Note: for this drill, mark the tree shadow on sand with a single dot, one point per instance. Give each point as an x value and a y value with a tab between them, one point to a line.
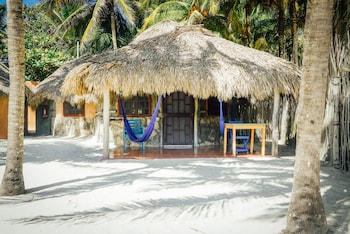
131	191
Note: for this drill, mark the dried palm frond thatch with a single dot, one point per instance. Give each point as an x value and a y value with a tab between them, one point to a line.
169	57
5	82
50	87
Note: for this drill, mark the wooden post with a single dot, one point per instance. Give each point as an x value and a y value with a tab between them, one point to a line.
195	122
284	120
275	132
106	123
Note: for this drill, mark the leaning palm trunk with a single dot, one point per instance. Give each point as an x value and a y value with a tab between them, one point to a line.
344	157
306	212
294	31
13	182
330	149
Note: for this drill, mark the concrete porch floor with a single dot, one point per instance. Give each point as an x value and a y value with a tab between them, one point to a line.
215	151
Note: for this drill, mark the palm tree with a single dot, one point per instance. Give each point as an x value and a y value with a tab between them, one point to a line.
121	11
189	11
294	30
336	146
94	24
306	211
13	181
170	10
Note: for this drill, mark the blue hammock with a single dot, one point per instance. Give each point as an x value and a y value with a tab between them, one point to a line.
149	128
222	119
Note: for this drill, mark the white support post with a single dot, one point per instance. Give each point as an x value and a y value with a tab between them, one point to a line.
275	115
106	123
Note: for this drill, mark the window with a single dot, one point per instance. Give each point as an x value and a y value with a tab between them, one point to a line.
136	106
69	110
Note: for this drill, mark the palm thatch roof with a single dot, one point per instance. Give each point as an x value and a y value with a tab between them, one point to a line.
50	87
169	57
5	82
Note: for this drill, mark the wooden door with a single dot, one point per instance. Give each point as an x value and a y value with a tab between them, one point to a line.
43	119
178	120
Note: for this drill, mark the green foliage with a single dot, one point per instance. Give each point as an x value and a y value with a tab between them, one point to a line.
102	42
264	30
42	55
342	18
3	36
68	20
2	18
171	10
217	23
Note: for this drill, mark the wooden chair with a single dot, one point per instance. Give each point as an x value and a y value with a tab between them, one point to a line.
137	128
242	137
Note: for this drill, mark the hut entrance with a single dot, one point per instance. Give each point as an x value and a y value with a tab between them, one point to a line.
43	119
178	121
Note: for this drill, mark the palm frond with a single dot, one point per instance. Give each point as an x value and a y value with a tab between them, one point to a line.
73	20
172	10
101	8
210	6
126	11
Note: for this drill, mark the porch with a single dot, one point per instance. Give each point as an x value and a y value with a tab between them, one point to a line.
213	151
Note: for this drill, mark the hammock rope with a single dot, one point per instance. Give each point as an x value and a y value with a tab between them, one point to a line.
222	119
146	135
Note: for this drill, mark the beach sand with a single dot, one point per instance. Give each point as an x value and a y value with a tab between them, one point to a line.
70	190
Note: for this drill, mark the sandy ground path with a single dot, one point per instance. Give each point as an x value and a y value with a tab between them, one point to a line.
69	190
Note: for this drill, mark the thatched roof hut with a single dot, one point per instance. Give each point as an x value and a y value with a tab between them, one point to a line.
50	87
5	82
169	57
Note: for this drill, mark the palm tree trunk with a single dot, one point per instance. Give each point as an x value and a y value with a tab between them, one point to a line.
293	14
306	212
13	182
281	26
248	23
332	118
113	27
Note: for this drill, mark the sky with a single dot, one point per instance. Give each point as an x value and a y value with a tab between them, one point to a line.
26	2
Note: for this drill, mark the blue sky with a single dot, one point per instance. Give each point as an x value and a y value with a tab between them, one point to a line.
26	2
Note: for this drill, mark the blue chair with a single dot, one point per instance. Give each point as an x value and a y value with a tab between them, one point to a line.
241	137
138	130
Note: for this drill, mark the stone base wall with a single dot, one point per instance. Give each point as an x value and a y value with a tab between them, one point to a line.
209	131
117	126
73	126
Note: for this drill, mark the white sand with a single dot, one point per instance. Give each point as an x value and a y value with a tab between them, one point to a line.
69	190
